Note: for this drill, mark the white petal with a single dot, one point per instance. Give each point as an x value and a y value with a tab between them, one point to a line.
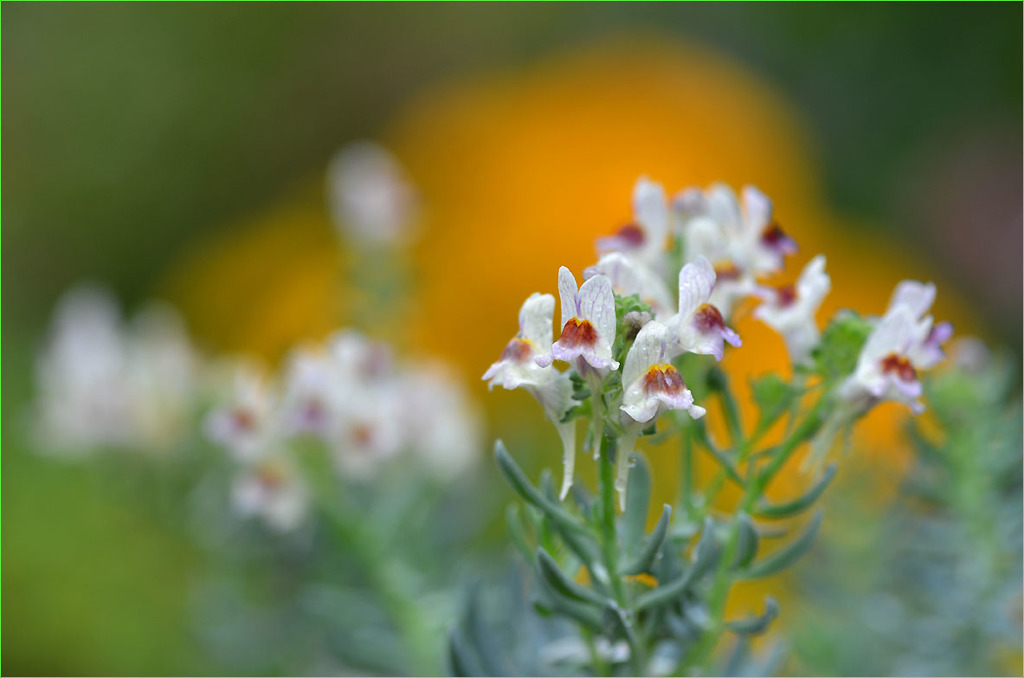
724	208
696	280
893	335
629	276
651	211
814	283
758	207
597	304
704	236
567	293
916	296
649	348
535	320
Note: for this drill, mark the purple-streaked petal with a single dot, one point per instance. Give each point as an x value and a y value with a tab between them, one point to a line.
567	293
597	304
535	319
696	280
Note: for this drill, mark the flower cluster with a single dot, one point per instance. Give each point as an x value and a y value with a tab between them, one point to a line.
350	396
718	251
107	383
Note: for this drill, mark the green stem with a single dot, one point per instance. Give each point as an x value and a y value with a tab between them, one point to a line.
397	600
687	479
609	538
723	579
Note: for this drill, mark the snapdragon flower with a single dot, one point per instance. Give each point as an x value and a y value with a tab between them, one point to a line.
444	425
246	425
790	309
312	392
742	242
643	238
369	195
904	341
104	382
518	368
699	325
630	276
273	490
651	385
588	325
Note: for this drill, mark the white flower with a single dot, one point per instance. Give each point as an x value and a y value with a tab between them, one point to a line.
370	432
313	394
904	341
106	384
518	368
443	425
651	385
917	298
245	425
369	195
588	324
644	237
630	276
790	310
272	489
743	243
699	325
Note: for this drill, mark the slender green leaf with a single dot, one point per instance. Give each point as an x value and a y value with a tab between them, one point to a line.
514	522
585	613
645	559
561	583
755	625
746	546
787	555
521	484
792	508
462	662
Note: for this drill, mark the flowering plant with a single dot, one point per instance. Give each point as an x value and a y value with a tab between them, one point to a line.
638	363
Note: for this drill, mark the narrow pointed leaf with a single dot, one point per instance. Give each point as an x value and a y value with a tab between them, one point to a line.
514	523
787	555
522	485
461	660
585	613
562	583
792	508
645	559
746	547
755	625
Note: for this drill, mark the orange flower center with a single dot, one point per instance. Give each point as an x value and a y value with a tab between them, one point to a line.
663	378
578	333
899	365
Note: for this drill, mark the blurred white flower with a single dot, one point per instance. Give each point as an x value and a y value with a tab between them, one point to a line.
904	341
443	426
790	309
246	424
630	276
643	239
273	490
742	242
370	197
104	384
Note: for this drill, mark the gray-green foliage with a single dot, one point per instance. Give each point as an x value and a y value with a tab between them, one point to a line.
934	587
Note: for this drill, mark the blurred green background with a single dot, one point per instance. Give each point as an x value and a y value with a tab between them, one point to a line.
132	130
